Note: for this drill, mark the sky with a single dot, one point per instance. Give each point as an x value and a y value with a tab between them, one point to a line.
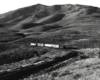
8	5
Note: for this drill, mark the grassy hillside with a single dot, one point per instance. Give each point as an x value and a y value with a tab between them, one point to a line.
72	26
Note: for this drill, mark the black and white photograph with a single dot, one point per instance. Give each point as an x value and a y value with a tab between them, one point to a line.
49	39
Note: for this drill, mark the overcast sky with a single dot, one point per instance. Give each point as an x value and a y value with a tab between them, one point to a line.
8	5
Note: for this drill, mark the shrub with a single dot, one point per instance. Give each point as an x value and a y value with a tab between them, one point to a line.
16	55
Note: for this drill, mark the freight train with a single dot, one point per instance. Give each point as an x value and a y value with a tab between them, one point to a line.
53	46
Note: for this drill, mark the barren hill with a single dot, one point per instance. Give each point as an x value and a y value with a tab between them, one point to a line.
72	26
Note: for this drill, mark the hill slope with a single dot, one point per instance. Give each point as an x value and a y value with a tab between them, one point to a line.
71	26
